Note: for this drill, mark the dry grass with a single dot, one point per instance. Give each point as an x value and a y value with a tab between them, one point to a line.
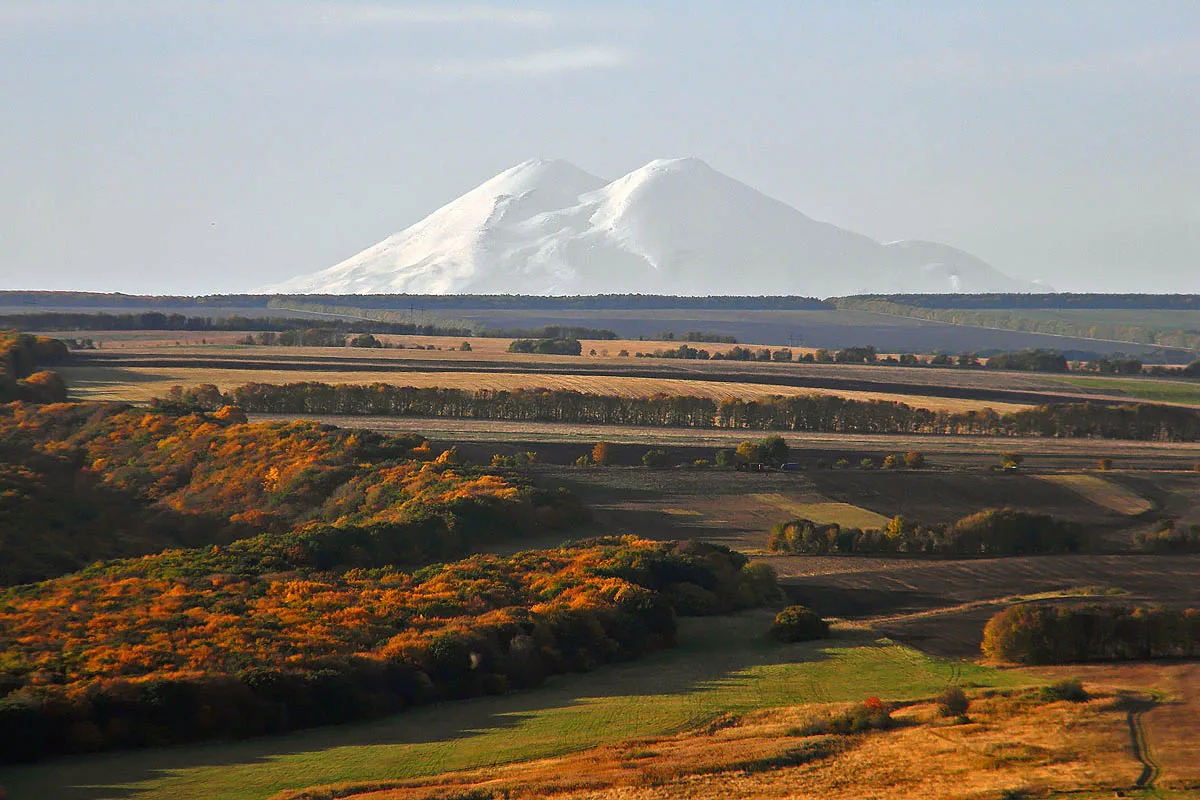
140	384
1010	743
1104	493
1172	726
825	511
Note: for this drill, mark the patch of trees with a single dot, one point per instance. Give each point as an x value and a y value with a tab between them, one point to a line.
698	336
165	649
1169	537
1045	633
1029	361
21	355
818	413
1115	366
554	347
992	532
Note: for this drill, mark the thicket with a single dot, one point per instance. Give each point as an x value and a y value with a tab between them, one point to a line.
992	532
92	481
167	649
21	355
1044	633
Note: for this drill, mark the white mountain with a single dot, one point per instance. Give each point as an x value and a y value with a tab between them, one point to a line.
672	227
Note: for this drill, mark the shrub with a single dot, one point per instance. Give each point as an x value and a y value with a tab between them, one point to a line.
701	463
953	702
799	624
365	340
656	459
465	347
1069	689
867	463
914	459
841	463
1011	460
870	715
892	462
1105	464
726	457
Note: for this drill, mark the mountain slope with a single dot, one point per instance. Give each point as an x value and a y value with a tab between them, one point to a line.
674	226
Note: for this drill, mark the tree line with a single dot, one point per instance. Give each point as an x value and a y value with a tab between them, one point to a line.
816	413
992	532
1046	633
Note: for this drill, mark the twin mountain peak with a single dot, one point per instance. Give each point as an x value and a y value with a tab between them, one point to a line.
674	226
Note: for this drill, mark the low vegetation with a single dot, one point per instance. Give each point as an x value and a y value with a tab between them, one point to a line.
992	532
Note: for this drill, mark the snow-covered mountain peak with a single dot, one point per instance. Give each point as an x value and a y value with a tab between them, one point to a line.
673	226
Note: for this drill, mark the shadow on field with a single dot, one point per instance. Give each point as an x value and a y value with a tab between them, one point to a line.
713	653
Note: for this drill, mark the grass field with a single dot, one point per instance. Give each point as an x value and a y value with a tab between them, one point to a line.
1104	493
1159	391
724	665
140	384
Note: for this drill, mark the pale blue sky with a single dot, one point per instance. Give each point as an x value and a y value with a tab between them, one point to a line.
203	147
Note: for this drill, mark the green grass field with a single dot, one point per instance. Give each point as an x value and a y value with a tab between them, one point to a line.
1142	388
723	665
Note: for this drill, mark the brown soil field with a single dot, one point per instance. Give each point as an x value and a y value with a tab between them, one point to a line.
1011	742
141	384
894	597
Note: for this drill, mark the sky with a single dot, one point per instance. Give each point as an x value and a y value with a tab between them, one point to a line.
190	147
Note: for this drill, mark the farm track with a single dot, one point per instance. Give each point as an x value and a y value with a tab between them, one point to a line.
1140	744
251	363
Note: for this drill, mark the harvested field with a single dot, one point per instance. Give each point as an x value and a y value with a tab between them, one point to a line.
1104	493
893	597
140	384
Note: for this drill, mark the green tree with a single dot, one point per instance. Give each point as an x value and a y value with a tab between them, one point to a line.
799	624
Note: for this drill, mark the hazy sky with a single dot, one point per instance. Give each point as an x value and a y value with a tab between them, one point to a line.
204	147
